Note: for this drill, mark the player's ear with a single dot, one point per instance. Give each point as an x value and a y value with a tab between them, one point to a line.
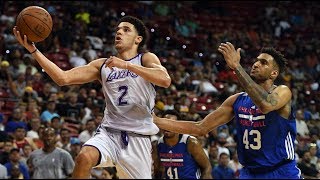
274	74
138	39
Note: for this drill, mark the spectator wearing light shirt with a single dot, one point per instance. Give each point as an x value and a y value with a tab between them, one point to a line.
86	134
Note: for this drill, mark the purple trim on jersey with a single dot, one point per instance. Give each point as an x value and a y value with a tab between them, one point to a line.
101	68
154	86
132	58
141	59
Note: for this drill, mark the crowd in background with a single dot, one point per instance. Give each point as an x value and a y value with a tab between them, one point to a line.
185	36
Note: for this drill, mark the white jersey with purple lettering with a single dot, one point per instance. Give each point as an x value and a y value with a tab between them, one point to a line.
130	100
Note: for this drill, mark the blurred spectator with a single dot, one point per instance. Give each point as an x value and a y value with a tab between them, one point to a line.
313	156
230	142
14	163
17	87
235	165
15	62
50	162
15	121
71	109
93	94
29	94
32	110
56	124
87	52
221	142
5	76
193	114
302	128
98	119
45	93
308	170
213	155
223	171
89	131
162	9
75	147
64	140
28	62
39	141
37	83
49	113
87	110
109	173
26	151
181	27
35	125
3	172
315	114
169	105
16	173
20	139
5	151
83	15
2	126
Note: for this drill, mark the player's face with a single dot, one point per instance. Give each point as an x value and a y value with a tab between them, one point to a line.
262	68
126	36
168	134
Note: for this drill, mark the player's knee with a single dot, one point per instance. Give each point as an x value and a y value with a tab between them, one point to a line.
87	158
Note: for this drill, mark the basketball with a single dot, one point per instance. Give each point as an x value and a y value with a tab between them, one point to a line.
35	22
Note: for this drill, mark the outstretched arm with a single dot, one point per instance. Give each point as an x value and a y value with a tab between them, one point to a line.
221	115
196	150
152	70
78	75
264	100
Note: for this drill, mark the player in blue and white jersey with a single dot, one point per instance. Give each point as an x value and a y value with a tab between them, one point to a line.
180	156
266	126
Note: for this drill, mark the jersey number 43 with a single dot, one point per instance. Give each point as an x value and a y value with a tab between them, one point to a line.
256	144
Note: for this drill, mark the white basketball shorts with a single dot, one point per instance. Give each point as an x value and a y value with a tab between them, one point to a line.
133	160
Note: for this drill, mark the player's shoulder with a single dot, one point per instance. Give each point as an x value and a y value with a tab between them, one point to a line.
283	87
148	55
98	62
231	99
192	140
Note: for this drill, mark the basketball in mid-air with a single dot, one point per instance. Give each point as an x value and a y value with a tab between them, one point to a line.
35	22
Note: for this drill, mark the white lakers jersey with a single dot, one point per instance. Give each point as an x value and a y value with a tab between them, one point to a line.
130	100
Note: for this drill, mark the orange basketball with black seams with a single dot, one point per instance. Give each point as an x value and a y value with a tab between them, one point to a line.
35	22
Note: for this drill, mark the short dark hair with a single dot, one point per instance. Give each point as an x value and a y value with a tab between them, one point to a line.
277	56
140	27
19	127
14	150
171	112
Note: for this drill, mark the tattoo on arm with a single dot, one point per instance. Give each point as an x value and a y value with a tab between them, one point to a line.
272	99
256	92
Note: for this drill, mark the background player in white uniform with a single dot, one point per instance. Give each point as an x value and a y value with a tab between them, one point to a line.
123	137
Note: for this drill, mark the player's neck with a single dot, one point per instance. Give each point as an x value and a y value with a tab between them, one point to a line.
126	55
267	85
172	141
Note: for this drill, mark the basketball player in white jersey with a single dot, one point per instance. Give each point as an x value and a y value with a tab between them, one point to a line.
128	80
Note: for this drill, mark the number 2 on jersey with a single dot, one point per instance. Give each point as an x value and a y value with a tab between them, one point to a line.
257	139
174	174
124	92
